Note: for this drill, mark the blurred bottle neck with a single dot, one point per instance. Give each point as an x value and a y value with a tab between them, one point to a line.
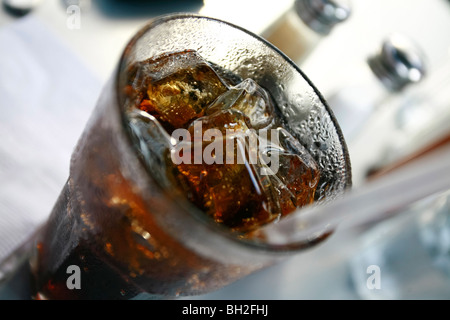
322	15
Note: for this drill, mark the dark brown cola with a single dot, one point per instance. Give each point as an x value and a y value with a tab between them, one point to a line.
115	221
232	175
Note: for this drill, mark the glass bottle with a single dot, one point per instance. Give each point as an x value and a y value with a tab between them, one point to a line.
301	27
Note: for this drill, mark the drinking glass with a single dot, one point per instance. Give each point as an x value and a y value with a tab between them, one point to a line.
117	232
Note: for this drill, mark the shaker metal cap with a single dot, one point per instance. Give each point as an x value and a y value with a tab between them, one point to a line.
398	63
322	15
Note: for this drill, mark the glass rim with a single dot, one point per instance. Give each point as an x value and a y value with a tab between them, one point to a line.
195	212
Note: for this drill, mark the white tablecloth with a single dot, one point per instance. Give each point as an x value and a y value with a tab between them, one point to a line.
47	95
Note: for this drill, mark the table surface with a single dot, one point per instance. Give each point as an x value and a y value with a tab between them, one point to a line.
321	273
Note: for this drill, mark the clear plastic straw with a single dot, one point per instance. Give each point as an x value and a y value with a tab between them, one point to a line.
374	200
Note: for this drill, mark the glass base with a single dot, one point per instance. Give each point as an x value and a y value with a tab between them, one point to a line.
17	280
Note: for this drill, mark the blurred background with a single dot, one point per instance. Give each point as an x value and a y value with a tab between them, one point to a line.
383	66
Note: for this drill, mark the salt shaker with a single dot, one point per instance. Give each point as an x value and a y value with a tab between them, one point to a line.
302	26
398	64
419	121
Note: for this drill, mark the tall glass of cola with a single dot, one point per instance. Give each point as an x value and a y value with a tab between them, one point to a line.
133	223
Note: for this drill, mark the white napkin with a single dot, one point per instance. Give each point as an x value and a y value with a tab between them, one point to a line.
46	97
